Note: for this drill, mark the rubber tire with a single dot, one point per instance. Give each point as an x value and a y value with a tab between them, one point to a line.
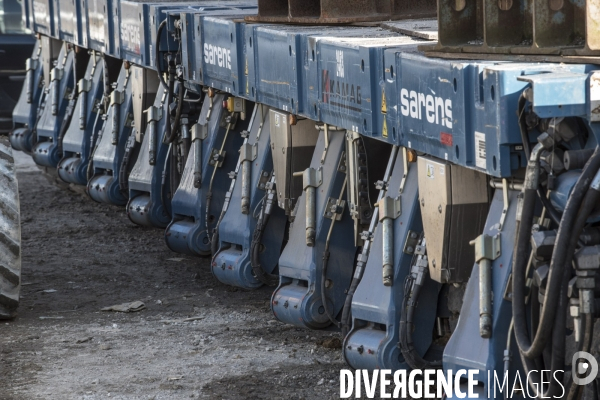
10	233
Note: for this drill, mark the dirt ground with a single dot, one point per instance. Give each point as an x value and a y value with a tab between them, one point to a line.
80	256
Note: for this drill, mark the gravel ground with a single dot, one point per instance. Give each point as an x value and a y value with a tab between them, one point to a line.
80	256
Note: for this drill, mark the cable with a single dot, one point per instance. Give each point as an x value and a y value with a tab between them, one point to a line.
533	348
326	260
259	272
157	54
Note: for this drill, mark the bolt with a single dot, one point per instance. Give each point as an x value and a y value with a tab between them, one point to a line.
410	249
440	208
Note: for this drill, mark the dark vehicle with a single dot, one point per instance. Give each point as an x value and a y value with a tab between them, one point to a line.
16	45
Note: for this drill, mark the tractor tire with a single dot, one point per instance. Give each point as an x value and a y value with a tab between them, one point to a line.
10	233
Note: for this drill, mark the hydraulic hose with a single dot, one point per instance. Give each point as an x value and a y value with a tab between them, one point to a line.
364	255
169	135
326	261
263	218
553	213
173	129
409	306
533	348
157	54
522	124
94	141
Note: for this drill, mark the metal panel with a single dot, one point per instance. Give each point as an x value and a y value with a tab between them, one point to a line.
349	73
454	202
291	147
68	21
466	348
42	17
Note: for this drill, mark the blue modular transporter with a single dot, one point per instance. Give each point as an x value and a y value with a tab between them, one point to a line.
429	188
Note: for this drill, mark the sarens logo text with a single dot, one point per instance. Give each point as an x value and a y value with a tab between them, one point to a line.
130	35
216	55
435	110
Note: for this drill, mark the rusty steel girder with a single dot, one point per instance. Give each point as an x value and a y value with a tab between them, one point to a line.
340	11
520	27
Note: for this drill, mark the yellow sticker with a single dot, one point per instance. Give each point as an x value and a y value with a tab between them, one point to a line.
383	103
384	132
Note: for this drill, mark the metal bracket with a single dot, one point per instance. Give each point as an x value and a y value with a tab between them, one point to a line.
129	120
98	106
381	185
389	208
411	242
334	208
506	203
56	74
486	247
248	152
154	114
366	235
265	177
117	97
217	157
199	131
312	177
31	64
84	85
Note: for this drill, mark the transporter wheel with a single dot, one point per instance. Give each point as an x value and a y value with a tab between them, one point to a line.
10	233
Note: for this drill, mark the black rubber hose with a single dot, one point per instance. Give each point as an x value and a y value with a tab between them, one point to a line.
533	348
523	125
552	212
337	323
157	53
170	91
558	349
173	129
409	305
346	312
259	272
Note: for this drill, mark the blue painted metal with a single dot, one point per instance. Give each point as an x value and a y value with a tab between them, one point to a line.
46	151
98	28
373	341
108	155
149	198
442	103
220	51
283	68
232	263
196	210
25	114
350	72
193	34
68	21
138	28
297	299
41	17
85	124
466	348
